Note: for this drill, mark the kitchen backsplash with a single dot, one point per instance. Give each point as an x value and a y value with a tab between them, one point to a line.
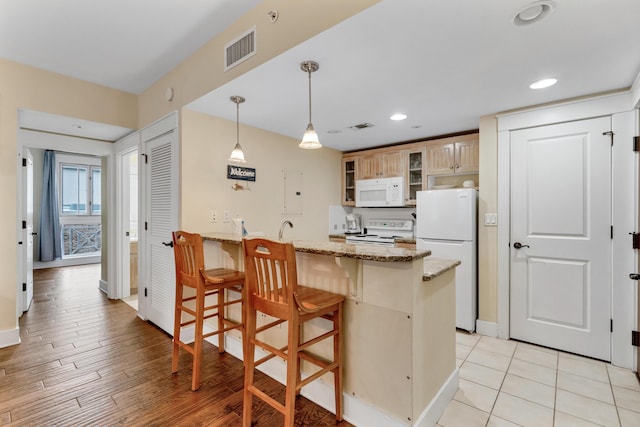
337	215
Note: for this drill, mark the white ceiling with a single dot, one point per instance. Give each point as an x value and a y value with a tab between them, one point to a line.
444	64
122	44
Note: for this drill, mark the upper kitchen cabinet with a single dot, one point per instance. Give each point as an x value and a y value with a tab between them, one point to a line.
454	155
349	180
381	164
415	173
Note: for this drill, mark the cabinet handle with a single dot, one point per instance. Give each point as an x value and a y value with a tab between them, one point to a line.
457	166
451	167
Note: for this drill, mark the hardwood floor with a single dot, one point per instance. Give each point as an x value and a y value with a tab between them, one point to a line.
88	360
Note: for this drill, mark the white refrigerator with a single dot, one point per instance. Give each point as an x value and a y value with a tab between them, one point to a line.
446	223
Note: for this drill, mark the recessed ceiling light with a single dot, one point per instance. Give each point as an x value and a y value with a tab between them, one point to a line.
541	84
533	12
398	116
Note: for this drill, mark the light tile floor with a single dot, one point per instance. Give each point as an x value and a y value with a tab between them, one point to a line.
132	301
507	383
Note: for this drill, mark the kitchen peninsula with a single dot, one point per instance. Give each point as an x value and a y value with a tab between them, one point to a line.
399	322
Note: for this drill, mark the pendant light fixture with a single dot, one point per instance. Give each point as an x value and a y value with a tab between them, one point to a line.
310	137
237	155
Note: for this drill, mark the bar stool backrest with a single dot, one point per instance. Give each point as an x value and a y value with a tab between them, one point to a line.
271	276
189	257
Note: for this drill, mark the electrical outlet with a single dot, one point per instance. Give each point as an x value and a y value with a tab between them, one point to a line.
213	216
227	216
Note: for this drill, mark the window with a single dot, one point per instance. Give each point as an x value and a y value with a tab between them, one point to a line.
80	205
79	194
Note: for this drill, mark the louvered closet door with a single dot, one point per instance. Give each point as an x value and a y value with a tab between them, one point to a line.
162	218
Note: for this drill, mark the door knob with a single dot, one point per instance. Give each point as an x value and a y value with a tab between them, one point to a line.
634	276
170	244
519	245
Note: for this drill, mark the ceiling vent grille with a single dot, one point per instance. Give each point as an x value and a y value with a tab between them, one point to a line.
240	49
361	126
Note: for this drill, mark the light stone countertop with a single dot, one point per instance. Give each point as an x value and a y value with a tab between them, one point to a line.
434	267
366	252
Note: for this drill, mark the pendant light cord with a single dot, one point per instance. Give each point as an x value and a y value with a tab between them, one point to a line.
237	123
309	71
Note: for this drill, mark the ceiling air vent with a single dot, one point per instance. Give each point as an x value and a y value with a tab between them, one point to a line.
240	49
361	126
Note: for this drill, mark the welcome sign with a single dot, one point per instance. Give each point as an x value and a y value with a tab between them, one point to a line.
241	173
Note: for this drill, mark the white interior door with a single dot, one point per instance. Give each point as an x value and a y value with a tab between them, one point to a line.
560	282
27	231
161	218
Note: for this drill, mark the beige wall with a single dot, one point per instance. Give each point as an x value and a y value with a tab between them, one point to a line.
203	71
23	87
206	144
488	235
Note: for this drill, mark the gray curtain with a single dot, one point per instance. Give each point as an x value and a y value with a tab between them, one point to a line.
50	247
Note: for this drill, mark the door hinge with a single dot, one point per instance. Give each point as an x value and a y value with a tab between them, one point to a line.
145	292
145	226
24	225
636	143
146	158
635	240
24	287
24	162
635	338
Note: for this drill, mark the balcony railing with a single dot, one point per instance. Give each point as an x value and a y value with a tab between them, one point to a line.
81	240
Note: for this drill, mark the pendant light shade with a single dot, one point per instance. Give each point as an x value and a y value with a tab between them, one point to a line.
310	137
237	155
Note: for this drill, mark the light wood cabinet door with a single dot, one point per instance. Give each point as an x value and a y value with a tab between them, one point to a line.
415	177
440	159
349	165
453	157
467	155
393	164
381	165
369	166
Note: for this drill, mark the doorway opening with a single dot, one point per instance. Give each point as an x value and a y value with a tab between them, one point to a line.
128	167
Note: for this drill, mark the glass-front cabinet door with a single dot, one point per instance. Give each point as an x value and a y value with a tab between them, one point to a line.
349	181
415	173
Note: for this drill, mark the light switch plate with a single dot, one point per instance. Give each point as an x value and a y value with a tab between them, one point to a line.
491	219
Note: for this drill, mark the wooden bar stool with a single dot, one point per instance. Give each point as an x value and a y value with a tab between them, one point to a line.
190	273
272	288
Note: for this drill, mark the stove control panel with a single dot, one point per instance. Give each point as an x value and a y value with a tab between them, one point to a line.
390	224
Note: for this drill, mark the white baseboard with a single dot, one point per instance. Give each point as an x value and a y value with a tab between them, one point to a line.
9	337
355	411
104	286
489	329
37	265
438	404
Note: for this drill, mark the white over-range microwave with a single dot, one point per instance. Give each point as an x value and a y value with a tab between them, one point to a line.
380	193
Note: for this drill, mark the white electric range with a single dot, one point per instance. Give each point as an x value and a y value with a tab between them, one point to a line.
383	232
